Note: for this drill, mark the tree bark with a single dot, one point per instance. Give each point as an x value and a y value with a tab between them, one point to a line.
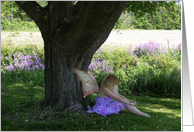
71	34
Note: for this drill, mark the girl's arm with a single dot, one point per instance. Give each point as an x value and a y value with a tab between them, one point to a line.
107	92
122	96
127	99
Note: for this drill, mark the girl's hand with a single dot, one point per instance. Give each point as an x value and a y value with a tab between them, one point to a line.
133	103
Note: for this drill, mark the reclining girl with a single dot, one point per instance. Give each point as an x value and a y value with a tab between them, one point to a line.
105	104
109	101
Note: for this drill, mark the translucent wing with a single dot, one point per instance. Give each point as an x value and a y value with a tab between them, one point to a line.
92	76
88	80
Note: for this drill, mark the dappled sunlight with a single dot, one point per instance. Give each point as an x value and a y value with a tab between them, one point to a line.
167	107
171	113
22	91
168	99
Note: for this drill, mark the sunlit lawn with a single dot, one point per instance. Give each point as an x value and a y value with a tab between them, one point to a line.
20	110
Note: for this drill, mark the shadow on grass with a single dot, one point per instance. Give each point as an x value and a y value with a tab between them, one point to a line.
17	93
168	103
21	111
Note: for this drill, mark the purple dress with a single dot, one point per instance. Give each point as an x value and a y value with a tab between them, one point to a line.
106	106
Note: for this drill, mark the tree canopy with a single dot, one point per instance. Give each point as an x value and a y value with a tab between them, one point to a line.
139	8
10	10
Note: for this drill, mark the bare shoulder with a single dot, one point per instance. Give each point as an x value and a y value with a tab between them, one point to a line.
102	94
105	90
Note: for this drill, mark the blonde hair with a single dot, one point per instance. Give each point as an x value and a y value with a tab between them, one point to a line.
111	81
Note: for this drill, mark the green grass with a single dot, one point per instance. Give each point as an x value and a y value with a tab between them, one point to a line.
20	110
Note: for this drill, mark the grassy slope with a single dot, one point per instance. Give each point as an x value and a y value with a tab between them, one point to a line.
20	110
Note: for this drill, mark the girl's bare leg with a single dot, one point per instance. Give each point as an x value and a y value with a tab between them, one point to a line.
134	110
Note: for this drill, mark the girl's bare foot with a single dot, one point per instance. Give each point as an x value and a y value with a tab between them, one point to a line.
146	115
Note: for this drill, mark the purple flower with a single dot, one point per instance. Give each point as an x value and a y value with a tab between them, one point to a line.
99	55
166	51
21	66
14	54
168	43
92	65
137	63
174	55
43	67
10	68
97	51
148	48
131	51
179	46
100	64
147	63
110	69
29	68
25	62
36	67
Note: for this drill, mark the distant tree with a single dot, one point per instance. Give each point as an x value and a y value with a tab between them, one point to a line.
8	9
171	16
166	15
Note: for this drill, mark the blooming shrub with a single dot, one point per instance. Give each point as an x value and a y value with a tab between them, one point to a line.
100	64
100	67
25	68
147	69
24	62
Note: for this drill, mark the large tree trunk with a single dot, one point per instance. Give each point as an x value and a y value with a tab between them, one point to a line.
71	34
